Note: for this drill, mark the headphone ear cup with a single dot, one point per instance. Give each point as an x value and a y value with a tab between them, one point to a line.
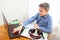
32	30
39	32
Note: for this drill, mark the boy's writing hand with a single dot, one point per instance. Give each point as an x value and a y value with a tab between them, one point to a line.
36	26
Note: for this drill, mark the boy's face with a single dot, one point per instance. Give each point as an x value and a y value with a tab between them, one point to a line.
42	11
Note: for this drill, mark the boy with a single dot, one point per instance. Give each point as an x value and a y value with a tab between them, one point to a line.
43	20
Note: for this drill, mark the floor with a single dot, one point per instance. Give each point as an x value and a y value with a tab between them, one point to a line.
55	34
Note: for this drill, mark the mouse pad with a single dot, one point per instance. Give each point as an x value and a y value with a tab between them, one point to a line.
10	29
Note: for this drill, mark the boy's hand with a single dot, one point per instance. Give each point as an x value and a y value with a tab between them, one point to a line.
36	26
17	29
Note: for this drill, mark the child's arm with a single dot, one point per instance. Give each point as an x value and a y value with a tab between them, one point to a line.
30	20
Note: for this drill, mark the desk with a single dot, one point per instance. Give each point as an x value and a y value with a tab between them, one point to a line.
4	35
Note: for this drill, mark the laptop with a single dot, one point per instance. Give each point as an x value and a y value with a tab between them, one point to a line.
9	28
23	32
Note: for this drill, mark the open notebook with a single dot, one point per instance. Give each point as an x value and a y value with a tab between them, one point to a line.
26	30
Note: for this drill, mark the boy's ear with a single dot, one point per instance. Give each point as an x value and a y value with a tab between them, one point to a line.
46	10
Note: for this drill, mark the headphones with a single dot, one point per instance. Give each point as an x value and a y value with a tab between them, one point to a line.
39	33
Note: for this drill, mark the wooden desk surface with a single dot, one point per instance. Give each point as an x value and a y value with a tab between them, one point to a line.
4	35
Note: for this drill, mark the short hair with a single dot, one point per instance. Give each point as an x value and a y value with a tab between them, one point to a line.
45	6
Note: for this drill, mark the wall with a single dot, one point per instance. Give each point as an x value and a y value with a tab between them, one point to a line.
13	9
54	9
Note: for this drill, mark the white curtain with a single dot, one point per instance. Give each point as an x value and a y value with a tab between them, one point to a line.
54	9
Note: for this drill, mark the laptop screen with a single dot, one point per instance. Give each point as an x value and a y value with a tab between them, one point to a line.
5	21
